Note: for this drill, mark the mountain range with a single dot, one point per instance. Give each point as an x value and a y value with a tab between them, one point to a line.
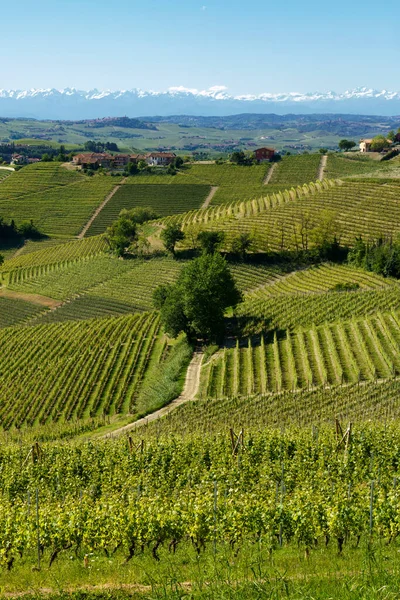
70	103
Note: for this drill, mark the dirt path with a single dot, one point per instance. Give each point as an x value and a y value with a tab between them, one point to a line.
34	298
99	209
209	197
189	393
322	167
7	168
268	176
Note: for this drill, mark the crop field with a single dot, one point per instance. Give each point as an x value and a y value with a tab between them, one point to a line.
357	209
86	368
164	199
61	210
343	166
34	179
4	173
330	354
16	312
296	170
71	251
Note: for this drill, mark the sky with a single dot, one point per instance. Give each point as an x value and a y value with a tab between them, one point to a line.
249	47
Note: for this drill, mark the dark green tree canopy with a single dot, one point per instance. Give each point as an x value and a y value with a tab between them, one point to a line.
379	142
347	145
210	241
242	243
122	234
170	236
197	302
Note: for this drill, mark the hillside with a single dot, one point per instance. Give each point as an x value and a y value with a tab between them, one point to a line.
272	447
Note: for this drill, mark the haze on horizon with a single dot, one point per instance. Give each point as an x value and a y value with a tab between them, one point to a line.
280	47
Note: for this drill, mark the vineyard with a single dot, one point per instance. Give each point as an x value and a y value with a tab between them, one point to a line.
296	170
75	369
199	496
279	221
330	354
280	451
164	199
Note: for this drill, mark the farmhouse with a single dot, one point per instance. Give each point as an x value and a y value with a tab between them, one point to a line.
264	154
93	159
365	145
19	159
159	159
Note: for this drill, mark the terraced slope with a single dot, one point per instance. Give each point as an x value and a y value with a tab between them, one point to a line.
344	166
74	369
362	208
330	354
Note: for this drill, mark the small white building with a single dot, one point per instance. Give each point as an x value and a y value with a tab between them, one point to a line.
159	159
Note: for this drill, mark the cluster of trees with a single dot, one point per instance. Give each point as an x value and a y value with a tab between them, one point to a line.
124	236
347	145
382	256
10	233
95	146
196	304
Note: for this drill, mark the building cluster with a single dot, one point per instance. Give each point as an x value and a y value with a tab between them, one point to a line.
20	159
119	161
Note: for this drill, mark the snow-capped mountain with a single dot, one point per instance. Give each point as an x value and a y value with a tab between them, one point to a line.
73	104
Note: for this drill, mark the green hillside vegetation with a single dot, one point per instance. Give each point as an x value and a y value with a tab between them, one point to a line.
253	477
164	199
90	367
350	209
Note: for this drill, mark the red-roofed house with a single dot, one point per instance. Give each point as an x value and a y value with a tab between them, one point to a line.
159	159
264	154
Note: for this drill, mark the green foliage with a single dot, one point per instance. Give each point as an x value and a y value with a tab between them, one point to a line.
197	303
242	244
122	234
163	383
210	241
240	158
382	256
379	142
170	236
140	214
347	145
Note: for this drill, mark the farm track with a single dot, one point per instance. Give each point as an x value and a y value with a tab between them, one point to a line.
7	169
322	167
268	176
190	389
99	209
210	196
34	298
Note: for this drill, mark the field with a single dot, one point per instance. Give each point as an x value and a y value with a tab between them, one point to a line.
89	368
164	199
274	472
357	208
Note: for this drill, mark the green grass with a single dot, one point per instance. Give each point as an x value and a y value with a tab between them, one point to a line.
164	199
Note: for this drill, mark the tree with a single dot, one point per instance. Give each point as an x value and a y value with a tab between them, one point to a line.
323	150
170	236
379	142
346	145
46	158
242	244
240	158
140	214
210	241
178	162
29	231
197	302
122	234
391	135
132	168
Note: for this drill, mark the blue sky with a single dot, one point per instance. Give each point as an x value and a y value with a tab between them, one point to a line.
250	47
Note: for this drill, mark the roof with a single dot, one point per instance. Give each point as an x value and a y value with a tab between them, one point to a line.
268	149
366	141
161	154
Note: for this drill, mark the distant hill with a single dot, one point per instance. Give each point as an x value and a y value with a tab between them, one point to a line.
75	104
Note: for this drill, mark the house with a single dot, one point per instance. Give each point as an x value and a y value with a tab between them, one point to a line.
121	160
93	159
365	145
135	158
32	161
19	159
264	154
159	159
